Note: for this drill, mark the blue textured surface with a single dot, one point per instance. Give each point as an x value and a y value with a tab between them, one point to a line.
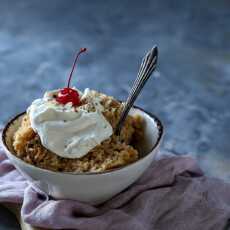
191	95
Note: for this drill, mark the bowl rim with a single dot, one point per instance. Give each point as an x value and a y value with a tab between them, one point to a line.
159	126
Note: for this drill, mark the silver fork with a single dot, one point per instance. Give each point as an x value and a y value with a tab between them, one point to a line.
147	67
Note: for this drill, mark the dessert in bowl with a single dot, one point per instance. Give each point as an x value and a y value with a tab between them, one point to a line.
65	144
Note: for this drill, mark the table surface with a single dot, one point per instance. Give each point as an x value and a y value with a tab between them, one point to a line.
190	93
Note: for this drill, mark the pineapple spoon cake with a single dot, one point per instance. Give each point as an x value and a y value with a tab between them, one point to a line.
72	131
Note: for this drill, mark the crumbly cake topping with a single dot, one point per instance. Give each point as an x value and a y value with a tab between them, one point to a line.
111	153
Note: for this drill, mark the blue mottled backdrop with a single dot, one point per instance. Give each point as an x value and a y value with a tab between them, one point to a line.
191	94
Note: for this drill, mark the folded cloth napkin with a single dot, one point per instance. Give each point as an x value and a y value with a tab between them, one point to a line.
172	194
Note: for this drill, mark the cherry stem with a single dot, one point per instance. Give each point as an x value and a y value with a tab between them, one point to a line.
82	50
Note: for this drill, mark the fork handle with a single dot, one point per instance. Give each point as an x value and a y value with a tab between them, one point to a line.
148	65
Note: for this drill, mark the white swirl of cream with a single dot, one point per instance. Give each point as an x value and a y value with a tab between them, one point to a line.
68	131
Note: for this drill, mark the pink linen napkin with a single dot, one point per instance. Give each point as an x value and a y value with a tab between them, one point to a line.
172	194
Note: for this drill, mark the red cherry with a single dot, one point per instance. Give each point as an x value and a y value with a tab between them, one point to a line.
68	94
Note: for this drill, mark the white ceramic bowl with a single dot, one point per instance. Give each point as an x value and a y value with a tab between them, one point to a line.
93	188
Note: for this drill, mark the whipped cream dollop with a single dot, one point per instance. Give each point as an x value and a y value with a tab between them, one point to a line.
69	131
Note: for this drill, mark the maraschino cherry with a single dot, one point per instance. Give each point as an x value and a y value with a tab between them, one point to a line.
68	94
